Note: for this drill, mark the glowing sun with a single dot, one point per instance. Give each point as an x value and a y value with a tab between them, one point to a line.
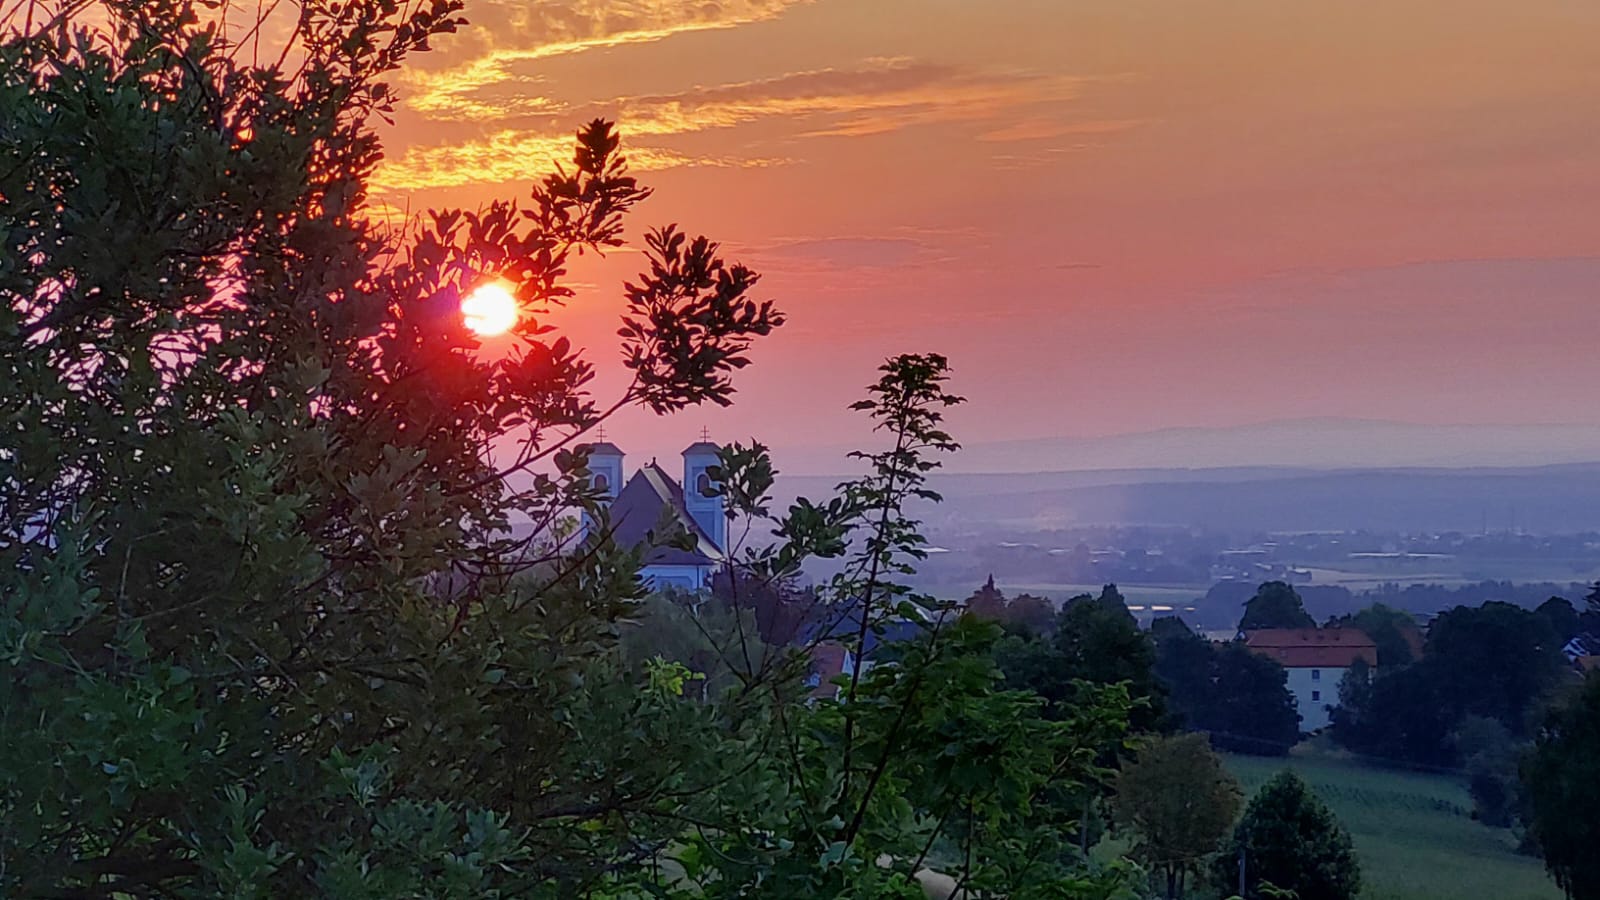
490	309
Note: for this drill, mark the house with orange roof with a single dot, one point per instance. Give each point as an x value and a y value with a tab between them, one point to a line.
1316	660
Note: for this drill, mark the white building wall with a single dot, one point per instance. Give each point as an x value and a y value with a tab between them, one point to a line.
1314	691
684	578
706	511
605	473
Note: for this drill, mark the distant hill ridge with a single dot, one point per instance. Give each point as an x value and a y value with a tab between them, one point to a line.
1311	443
1549	499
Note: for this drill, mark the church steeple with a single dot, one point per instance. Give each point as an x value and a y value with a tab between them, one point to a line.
707	511
605	466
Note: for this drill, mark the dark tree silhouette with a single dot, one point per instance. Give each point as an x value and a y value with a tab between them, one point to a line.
1275	605
1591	610
1563	618
1562	781
1097	641
1289	838
1236	696
1387	627
987	602
1180	801
1497	661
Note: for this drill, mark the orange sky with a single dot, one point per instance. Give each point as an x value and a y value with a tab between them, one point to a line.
1113	216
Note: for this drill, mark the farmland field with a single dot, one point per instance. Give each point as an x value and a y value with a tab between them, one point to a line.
1414	833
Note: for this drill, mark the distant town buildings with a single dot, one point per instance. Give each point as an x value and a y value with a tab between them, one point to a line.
1256	563
1316	660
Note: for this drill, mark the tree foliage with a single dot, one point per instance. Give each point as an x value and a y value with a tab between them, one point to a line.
1562	616
1238	697
266	631
1387	627
1496	661
1181	802
1489	755
1275	605
1562	781
1290	839
1095	641
1164	627
921	760
987	602
1023	614
1589	619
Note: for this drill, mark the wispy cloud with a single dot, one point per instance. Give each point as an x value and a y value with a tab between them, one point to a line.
511	155
877	97
508	32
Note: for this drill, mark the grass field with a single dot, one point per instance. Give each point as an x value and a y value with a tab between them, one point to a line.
1414	833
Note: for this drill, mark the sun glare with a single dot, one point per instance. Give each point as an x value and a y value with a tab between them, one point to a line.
490	309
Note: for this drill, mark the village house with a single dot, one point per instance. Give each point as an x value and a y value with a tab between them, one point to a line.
640	505
1583	652
1316	660
829	634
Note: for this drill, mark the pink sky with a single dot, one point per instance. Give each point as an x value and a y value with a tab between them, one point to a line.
1112	215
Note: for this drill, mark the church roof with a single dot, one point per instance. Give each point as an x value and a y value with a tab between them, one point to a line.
702	447
604	448
638	508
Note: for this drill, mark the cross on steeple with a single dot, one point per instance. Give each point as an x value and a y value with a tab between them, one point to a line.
599	433
705	434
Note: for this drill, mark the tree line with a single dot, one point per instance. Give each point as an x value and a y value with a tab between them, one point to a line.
1486	695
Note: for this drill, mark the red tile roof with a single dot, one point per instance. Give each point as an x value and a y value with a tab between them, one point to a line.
1313	648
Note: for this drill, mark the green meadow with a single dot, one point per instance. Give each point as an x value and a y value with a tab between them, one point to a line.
1414	833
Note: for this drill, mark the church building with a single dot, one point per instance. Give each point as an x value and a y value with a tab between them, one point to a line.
637	507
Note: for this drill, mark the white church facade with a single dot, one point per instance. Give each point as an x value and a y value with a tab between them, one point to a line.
635	507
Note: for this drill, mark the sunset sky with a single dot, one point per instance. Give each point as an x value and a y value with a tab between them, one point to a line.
1113	215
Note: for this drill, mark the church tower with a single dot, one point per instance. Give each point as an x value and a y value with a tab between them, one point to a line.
707	512
605	468
605	476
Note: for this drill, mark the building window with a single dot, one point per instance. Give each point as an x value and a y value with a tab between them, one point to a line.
1316	674
600	481
1316	695
702	484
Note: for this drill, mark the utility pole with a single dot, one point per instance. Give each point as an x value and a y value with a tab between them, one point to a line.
1241	869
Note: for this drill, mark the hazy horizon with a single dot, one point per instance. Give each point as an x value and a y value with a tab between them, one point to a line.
1320	443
